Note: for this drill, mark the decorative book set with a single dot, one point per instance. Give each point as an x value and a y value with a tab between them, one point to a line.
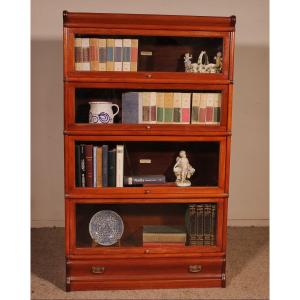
129	224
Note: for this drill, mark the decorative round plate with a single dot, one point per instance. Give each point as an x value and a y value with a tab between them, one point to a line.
106	227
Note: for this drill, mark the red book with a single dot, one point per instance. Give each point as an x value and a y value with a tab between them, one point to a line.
89	165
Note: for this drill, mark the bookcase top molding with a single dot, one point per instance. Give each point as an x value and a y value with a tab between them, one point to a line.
145	21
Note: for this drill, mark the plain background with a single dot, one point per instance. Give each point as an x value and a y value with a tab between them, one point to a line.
249	185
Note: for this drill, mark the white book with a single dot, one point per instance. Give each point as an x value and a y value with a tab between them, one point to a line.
177	107
126	54
210	99
85	66
120	166
94	166
118	55
140	107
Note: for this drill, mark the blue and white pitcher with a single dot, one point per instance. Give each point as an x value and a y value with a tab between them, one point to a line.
101	112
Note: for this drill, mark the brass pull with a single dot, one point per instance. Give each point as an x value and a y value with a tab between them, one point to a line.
149	75
195	268
147	192
148	127
97	269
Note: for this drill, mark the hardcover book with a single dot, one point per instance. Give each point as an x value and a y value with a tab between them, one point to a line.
130	108
200	224
118	55
206	226
134	55
209	108
195	107
112	168
126	54
160	107
152	117
213	225
110	45
104	165
164	234
99	167
202	108
78	54
186	108
82	165
78	166
102	54
144	179
169	108
120	166
88	149
217	108
146	96
177	107
94	54
192	224
85	65
94	166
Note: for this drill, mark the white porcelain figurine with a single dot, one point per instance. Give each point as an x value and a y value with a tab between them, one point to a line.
183	170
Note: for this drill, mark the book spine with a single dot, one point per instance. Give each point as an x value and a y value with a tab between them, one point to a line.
207	218
130	108
152	109
164	238
186	108
112	168
200	218
102	54
217	108
77	166
146	107
89	164
209	108
99	167
177	108
168	108
94	54
94	166
195	108
213	225
163	244
118	55
110	43
202	108
138	180
85	66
140	109
78	54
160	107
82	165
126	55
104	165
120	165
134	55
192	224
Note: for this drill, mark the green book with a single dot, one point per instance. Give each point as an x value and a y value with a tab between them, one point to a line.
160	107
164	233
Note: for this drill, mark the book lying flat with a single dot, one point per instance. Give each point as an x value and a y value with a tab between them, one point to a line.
164	233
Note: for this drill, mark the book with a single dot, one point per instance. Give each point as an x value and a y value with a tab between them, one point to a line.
134	55
78	166
206	225
120	165
104	165
213	225
195	107
168	108
163	184
146	96
94	166
160	107
177	107
112	168
185	108
102	54
200	223
152	108
209	108
94	54
202	108
110	45
118	54
85	65
191	215
217	108
140	108
82	165
144	179
99	167
130	108
88	149
164	234
126	54
78	54
163	244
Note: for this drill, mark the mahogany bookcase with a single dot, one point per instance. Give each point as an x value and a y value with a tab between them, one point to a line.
130	265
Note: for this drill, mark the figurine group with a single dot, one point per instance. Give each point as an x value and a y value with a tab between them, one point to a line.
203	65
183	170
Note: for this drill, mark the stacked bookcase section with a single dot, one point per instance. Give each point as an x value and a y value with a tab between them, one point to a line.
162	85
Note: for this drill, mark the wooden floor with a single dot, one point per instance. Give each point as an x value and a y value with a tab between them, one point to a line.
247	270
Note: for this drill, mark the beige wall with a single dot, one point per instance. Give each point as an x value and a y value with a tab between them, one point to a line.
249	168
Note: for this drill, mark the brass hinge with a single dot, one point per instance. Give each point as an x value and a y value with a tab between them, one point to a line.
68	280
223	276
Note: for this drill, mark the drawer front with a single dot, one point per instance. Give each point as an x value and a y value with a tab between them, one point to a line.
126	269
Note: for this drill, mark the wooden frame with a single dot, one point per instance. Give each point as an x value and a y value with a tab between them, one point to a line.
164	267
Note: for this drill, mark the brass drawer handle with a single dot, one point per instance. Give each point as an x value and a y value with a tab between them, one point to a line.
195	268
97	269
149	76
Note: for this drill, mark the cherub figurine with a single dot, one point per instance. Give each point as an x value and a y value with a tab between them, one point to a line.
219	61
183	170
187	62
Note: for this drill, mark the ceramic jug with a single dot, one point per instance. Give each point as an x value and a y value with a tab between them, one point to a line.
101	112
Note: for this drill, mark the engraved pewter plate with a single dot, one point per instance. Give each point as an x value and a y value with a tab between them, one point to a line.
106	227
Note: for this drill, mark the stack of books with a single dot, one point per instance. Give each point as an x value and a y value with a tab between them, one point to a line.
201	224
99	166
95	54
163	236
206	108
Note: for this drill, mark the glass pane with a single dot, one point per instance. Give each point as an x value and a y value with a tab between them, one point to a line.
148	53
202	107
146	225
118	164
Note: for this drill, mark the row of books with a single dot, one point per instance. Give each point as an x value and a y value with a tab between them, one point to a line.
202	224
171	108
94	54
99	166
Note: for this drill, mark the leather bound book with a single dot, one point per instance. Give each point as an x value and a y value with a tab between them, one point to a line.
77	165
104	165
118	54
144	179
94	54
207	220
89	164
82	165
99	167
112	168
200	223
192	224
213	225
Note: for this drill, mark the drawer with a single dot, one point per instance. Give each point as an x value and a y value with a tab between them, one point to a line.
154	268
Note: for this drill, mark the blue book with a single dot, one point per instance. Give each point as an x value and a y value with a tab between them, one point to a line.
112	168
104	165
130	108
95	166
